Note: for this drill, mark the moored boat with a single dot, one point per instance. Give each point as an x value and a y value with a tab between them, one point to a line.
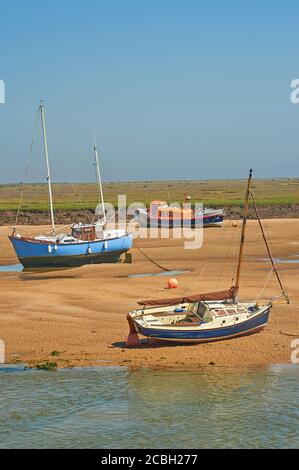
68	251
204	317
201	321
160	214
87	243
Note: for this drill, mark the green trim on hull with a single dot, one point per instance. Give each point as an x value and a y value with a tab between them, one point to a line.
70	261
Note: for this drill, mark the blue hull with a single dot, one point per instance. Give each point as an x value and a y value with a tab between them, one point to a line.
193	223
192	335
150	222
34	254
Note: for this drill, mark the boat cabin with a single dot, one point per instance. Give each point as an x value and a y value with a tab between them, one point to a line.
206	311
160	210
84	232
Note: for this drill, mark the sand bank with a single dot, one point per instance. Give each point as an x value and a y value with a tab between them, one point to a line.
81	312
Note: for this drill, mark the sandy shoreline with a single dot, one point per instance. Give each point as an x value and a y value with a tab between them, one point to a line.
81	312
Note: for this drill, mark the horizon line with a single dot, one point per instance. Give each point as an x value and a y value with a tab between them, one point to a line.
150	181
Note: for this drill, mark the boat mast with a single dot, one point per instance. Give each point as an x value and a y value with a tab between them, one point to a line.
245	215
285	294
97	165
41	108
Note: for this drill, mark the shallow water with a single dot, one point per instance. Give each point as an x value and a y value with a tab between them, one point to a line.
280	260
110	407
175	272
11	268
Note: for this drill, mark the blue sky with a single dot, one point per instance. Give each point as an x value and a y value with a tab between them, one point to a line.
174	89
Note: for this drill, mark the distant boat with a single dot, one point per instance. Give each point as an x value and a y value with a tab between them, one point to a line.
87	244
203	317
160	214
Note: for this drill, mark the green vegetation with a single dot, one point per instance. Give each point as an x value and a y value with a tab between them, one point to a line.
47	366
54	353
68	197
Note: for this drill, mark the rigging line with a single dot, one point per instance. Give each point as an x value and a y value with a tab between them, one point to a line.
269	251
265	227
101	161
203	270
199	274
266	283
226	254
236	255
234	232
211	259
104	172
278	297
27	168
72	184
114	215
60	228
151	260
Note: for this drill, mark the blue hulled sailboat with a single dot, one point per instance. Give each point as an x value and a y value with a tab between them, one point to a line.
87	243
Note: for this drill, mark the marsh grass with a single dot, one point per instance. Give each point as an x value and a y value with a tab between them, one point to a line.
215	193
47	366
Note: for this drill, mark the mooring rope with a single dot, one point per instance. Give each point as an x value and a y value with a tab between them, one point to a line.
152	261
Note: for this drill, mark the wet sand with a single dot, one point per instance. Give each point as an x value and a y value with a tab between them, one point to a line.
81	312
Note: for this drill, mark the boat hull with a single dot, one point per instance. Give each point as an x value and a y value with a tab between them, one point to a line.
146	221
197	335
33	254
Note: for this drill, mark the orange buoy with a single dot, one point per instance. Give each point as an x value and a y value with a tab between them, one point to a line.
172	283
234	224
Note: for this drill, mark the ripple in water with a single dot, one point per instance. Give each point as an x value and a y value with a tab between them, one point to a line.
117	408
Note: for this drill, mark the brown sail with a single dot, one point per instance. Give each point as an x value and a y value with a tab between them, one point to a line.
220	295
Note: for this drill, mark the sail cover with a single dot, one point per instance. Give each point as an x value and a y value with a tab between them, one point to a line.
220	295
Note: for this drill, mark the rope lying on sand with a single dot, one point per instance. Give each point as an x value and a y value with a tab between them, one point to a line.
151	260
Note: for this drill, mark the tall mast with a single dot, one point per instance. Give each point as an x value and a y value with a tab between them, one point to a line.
285	294
41	108
245	215
101	198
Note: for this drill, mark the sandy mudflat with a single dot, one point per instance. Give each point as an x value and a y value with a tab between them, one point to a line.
81	312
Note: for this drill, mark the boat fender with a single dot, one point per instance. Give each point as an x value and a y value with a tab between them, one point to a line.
55	247
49	249
105	245
89	250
